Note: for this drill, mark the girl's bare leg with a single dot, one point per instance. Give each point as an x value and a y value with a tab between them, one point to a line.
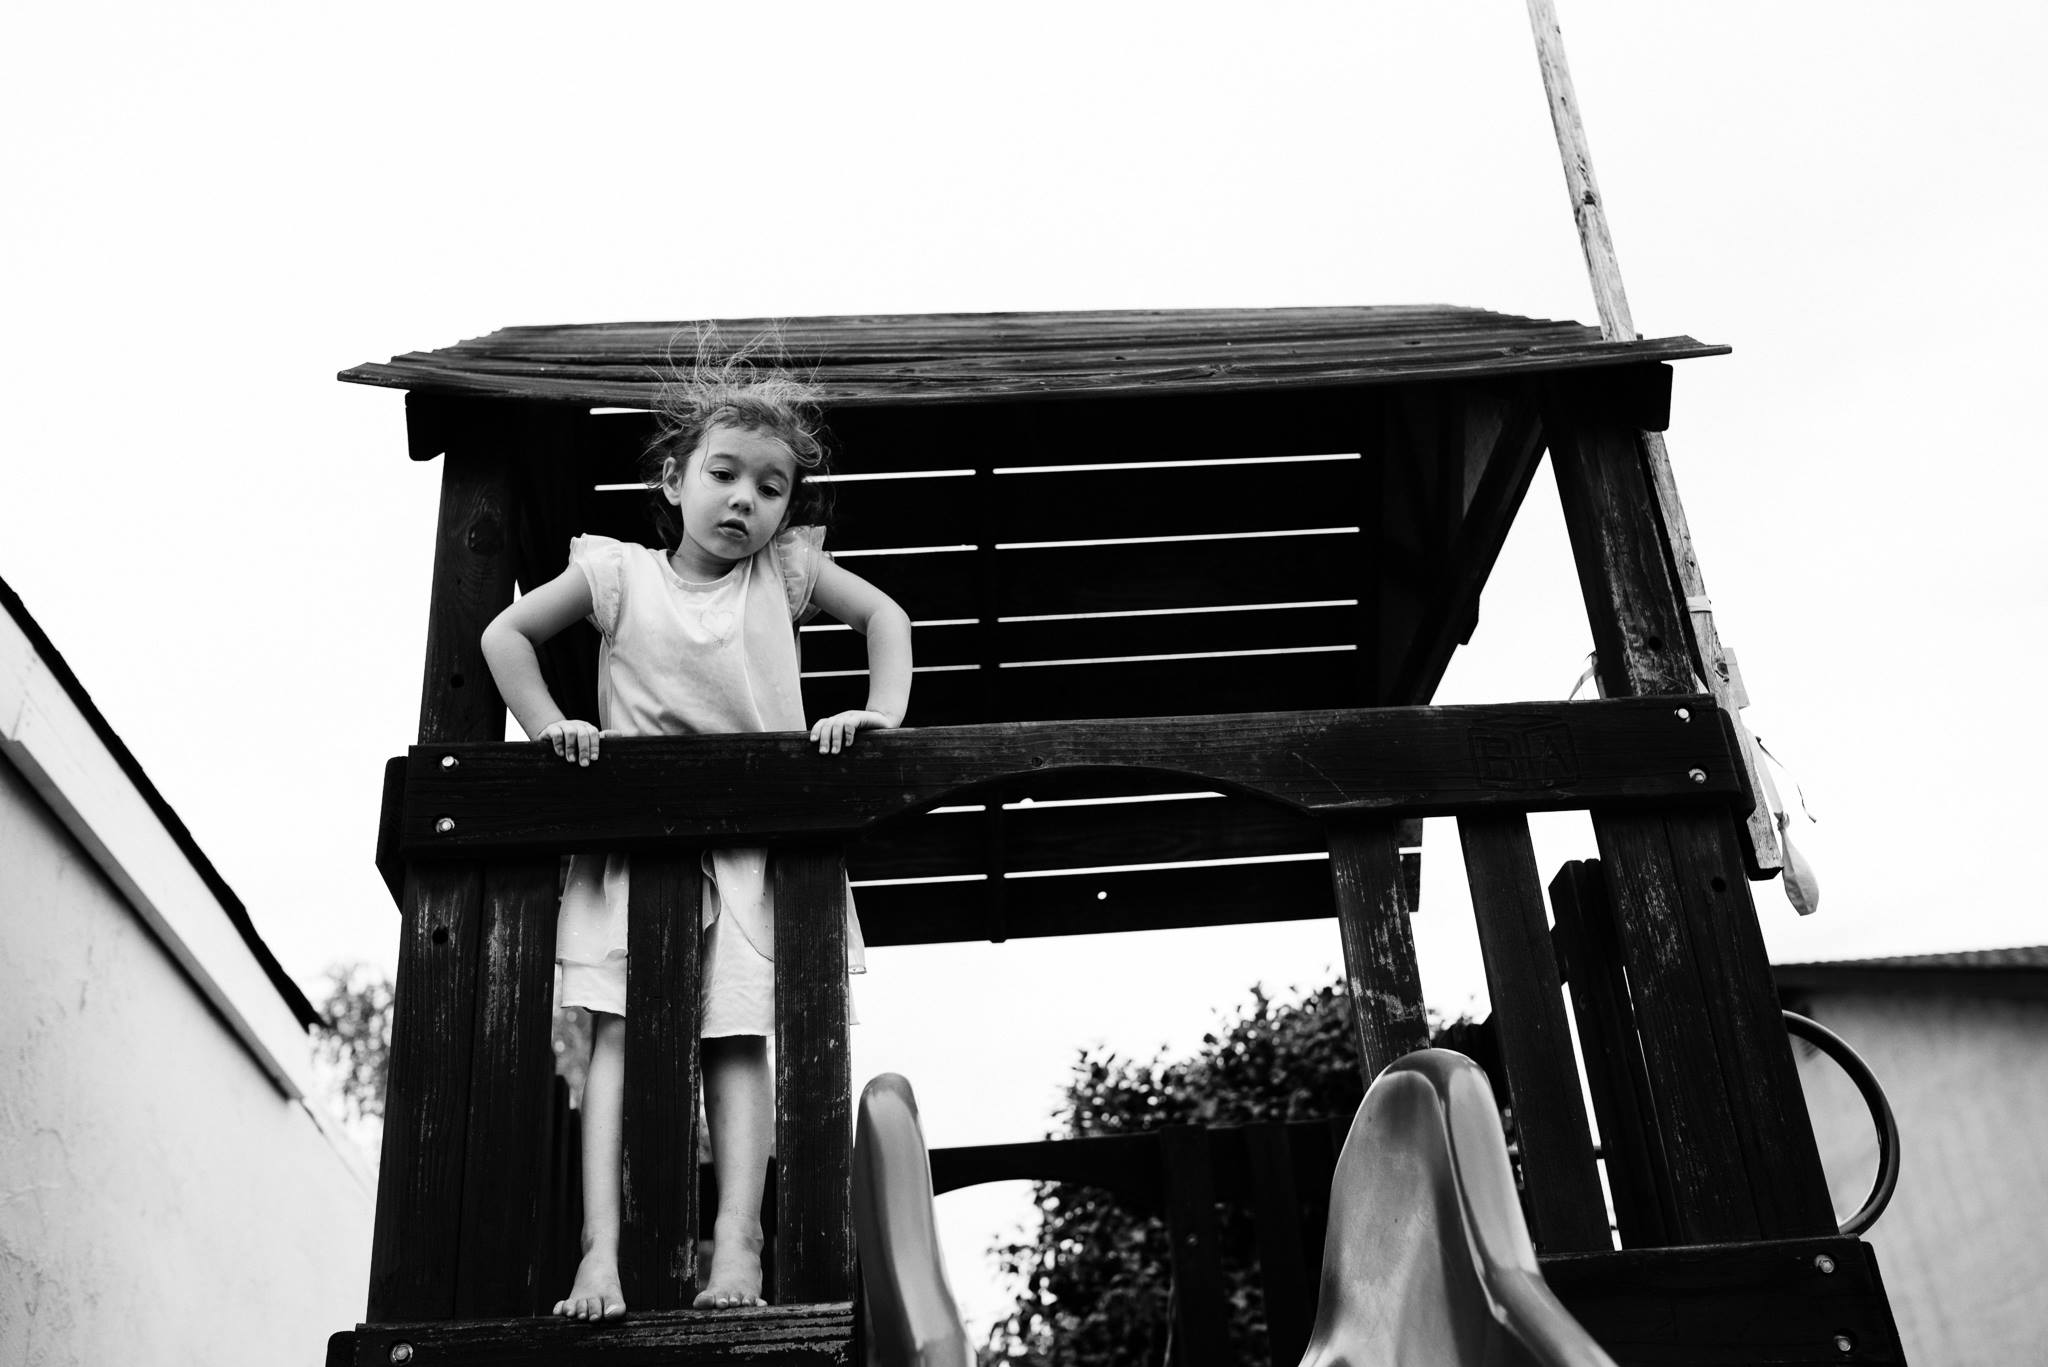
739	1105
596	1294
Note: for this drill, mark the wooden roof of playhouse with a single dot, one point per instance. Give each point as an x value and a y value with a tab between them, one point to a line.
1101	514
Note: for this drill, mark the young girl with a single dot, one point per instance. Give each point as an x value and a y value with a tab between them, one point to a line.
697	638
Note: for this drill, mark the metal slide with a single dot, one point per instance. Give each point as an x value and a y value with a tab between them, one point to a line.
1427	1262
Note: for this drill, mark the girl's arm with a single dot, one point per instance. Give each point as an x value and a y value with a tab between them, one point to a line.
509	643
873	613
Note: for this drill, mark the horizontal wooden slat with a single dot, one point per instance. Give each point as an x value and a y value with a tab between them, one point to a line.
772	1336
658	792
1095	903
1087	836
1094	638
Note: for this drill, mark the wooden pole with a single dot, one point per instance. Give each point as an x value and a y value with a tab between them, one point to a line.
1762	850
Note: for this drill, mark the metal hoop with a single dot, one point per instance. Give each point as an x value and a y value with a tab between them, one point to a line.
1847	1059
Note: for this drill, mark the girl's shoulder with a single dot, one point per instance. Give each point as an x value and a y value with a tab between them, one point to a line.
798	553
611	566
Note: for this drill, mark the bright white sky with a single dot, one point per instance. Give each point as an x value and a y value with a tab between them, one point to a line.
211	209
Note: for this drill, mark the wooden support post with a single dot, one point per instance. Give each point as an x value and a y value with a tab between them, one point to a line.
1562	1195
504	1175
1590	957
1200	1333
415	1252
1379	949
814	1080
1739	1145
658	1242
1276	1218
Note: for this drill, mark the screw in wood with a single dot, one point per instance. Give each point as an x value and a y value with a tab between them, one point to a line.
401	1353
447	824
1844	1344
450	762
1684	714
1697	775
1823	1264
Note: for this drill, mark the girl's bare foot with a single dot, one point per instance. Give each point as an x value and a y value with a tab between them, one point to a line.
735	1279
596	1294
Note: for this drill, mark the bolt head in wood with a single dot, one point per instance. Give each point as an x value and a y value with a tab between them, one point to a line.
1697	776
447	823
1844	1344
1823	1264
1684	714
450	762
401	1353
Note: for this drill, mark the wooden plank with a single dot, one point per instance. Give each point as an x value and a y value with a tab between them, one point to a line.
551	498
1125	1165
512	1064
1392	762
1289	1292
814	1079
416	1248
1379	951
1561	1195
1200	1335
1099	903
1046	837
1590	957
771	1336
1738	1144
658	1240
390	866
1773	1304
1097	638
1192	685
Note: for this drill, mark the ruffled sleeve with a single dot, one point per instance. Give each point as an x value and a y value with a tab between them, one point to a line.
800	550
602	561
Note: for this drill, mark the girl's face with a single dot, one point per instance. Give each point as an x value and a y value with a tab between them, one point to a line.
733	493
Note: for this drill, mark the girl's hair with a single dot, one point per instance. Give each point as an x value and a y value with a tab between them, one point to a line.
733	391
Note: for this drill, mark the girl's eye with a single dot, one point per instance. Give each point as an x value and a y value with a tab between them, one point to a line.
771	491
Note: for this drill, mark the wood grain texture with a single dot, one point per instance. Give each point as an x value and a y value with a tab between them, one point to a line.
417	1244
1738	1146
1763	1304
814	1079
961	358
1200	1337
771	1336
1562	1191
1393	762
658	1242
1632	1148
1379	950
511	1069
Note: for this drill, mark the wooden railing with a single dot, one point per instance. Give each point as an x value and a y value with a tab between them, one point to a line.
479	829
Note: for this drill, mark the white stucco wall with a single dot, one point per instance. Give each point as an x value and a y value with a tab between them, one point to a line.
1961	1247
163	1198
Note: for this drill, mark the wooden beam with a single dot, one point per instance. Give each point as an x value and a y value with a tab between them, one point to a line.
1562	1198
814	1080
468	799
658	1253
1380	975
1739	1147
415	1253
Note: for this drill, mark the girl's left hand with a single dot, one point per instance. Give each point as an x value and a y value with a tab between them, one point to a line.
837	731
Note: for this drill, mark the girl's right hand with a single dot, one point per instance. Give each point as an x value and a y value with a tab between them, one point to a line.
575	741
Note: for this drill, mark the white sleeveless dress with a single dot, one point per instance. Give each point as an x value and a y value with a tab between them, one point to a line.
680	658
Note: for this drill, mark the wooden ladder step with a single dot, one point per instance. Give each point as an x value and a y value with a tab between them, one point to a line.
772	1336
